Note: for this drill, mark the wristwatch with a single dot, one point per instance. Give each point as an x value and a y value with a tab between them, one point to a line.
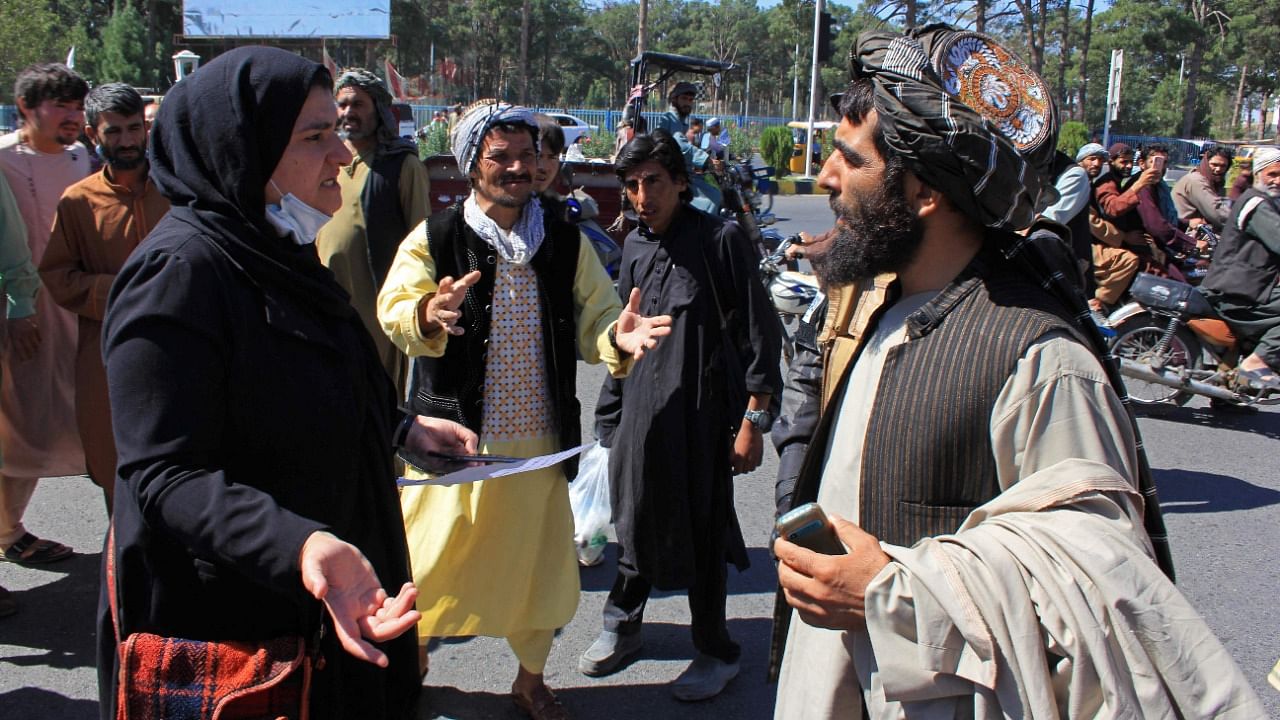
762	419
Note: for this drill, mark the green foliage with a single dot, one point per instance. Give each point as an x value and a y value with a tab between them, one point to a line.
28	34
124	55
1072	136
743	142
775	148
435	142
599	145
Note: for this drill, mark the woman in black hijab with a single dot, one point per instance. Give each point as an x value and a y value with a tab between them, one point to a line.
254	422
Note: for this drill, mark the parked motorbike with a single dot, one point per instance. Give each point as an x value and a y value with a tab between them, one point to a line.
791	292
1172	346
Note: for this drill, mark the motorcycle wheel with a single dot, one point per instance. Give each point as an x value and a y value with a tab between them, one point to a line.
1136	340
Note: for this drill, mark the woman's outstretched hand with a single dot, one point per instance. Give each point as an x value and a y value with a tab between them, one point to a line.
337	573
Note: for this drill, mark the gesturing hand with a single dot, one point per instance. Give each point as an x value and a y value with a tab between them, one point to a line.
338	574
635	333
829	591
440	311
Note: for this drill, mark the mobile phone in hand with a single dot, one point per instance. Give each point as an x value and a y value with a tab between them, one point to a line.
809	527
1157	162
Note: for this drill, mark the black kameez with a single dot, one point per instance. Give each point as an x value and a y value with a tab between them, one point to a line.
668	424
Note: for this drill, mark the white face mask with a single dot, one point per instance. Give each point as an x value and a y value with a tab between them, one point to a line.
294	217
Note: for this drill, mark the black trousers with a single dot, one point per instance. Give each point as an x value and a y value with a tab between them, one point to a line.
624	608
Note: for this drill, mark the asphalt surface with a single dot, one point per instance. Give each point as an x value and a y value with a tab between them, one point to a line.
1217	477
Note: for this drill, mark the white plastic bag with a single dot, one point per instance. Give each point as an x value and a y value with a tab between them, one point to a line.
589	498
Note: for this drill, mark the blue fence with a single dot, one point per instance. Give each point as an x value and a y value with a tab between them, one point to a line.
1181	152
607	120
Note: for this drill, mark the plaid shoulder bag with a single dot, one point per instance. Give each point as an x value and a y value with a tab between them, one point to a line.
165	678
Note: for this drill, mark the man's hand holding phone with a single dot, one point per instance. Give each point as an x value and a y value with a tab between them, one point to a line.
829	591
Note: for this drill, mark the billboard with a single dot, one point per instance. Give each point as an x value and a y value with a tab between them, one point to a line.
287	18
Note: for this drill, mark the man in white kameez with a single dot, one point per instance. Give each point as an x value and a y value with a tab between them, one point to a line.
1007	556
38	436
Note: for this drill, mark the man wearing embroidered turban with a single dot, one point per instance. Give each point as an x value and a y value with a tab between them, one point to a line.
496	300
970	433
1242	281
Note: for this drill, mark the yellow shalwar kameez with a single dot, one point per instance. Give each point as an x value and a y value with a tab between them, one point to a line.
496	557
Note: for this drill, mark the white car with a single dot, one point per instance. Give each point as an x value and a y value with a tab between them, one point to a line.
574	128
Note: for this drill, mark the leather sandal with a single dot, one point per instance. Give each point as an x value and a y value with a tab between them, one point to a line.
1262	380
31	550
542	705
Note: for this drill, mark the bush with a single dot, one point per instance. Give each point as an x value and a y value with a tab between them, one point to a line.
1072	136
435	142
743	142
775	148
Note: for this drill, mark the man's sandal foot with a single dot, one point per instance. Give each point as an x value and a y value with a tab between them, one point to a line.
1262	380
31	550
542	704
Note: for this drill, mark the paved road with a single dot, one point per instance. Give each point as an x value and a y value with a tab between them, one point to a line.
1218	478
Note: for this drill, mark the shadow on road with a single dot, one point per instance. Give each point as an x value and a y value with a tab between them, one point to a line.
33	702
747	696
761	577
1190	491
1266	424
64	639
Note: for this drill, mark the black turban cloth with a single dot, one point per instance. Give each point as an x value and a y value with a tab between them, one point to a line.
968	117
220	133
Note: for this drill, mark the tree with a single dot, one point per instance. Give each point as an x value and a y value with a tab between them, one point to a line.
28	34
124	55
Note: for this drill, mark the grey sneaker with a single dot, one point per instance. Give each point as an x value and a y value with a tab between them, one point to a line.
609	653
705	677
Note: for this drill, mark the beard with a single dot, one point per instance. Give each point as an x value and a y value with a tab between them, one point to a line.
112	158
499	196
878	232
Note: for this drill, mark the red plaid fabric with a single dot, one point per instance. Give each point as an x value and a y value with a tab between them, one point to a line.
164	678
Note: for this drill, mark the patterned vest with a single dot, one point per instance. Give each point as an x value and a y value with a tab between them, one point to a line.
452	386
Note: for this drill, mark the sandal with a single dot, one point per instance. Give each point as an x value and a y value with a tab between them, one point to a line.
31	550
8	605
1262	380
543	705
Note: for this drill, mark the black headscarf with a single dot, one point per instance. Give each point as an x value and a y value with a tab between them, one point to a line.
220	134
968	117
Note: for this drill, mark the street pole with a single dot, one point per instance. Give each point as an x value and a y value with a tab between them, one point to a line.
746	100
1113	94
813	90
642	39
795	85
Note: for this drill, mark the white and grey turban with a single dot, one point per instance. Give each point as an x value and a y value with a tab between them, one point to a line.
1264	157
469	133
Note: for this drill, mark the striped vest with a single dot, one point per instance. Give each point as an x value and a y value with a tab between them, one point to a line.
927	459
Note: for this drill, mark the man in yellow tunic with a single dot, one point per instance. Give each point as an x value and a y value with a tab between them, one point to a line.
385	194
495	299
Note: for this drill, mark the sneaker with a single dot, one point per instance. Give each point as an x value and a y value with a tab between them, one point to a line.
704	679
609	653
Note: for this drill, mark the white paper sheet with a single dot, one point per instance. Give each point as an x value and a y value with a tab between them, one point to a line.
496	470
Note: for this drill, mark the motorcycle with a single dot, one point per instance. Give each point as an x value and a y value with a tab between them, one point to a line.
791	292
1171	346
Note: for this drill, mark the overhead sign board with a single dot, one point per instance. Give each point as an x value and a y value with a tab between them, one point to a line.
287	18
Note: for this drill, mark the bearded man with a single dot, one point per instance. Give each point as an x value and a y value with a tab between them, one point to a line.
1242	281
496	299
99	222
37	386
385	194
972	433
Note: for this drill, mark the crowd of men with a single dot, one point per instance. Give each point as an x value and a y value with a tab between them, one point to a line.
950	411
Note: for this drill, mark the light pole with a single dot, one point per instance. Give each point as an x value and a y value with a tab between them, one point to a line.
818	7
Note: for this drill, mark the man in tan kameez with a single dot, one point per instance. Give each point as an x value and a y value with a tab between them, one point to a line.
100	220
385	194
37	406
